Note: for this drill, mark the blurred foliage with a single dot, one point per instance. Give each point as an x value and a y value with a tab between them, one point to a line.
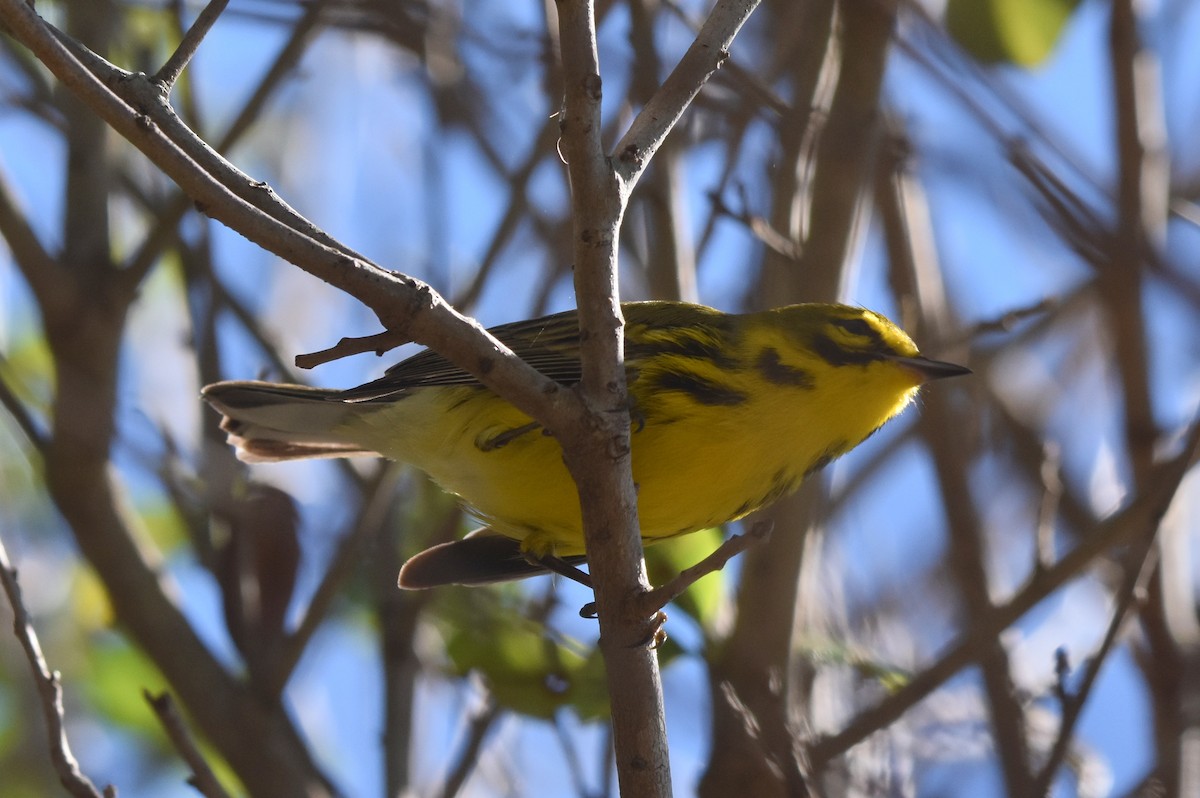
1019	32
526	667
982	207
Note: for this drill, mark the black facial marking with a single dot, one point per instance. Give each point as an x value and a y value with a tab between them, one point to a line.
836	355
857	327
775	371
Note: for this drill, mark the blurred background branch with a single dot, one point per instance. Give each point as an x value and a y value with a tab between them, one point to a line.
954	608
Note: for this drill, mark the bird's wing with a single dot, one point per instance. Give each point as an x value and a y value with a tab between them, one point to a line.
550	344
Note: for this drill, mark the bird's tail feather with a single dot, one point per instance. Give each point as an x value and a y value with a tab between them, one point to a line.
268	422
480	558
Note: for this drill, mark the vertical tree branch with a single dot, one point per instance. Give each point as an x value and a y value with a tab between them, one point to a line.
670	262
915	265
1142	192
598	451
848	143
847	48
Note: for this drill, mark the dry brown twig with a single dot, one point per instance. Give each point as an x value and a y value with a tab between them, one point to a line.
203	778
661	596
173	68
49	688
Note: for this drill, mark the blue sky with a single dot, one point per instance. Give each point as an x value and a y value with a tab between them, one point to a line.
352	145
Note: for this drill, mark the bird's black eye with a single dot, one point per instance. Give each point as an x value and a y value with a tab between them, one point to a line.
855	326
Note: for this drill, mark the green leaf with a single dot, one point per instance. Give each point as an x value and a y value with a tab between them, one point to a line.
1020	32
527	669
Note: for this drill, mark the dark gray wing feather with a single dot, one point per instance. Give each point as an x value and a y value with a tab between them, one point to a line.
550	344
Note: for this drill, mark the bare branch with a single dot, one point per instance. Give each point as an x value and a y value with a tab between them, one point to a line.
758	226
1139	568
347	347
659	597
403	304
1141	515
203	778
179	59
49	689
480	724
704	57
597	451
1010	319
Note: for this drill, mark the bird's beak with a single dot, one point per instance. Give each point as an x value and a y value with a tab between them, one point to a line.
928	370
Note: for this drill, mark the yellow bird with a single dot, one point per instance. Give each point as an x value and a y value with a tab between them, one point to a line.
729	412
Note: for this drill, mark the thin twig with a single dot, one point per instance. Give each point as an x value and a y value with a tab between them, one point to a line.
379	492
20	414
165	231
187	48
705	56
203	778
1147	509
759	226
139	113
346	347
654	600
481	723
1006	321
1139	566
49	688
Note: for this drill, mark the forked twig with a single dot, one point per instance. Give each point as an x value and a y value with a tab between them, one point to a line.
654	600
179	59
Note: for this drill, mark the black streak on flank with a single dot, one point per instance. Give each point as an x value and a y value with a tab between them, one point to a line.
781	485
704	391
502	439
828	456
775	371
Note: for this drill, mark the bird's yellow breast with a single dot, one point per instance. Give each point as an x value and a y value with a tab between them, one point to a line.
711	441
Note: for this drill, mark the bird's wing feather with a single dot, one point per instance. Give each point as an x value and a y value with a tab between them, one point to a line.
550	344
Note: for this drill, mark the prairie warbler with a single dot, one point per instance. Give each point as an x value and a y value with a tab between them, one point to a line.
729	412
